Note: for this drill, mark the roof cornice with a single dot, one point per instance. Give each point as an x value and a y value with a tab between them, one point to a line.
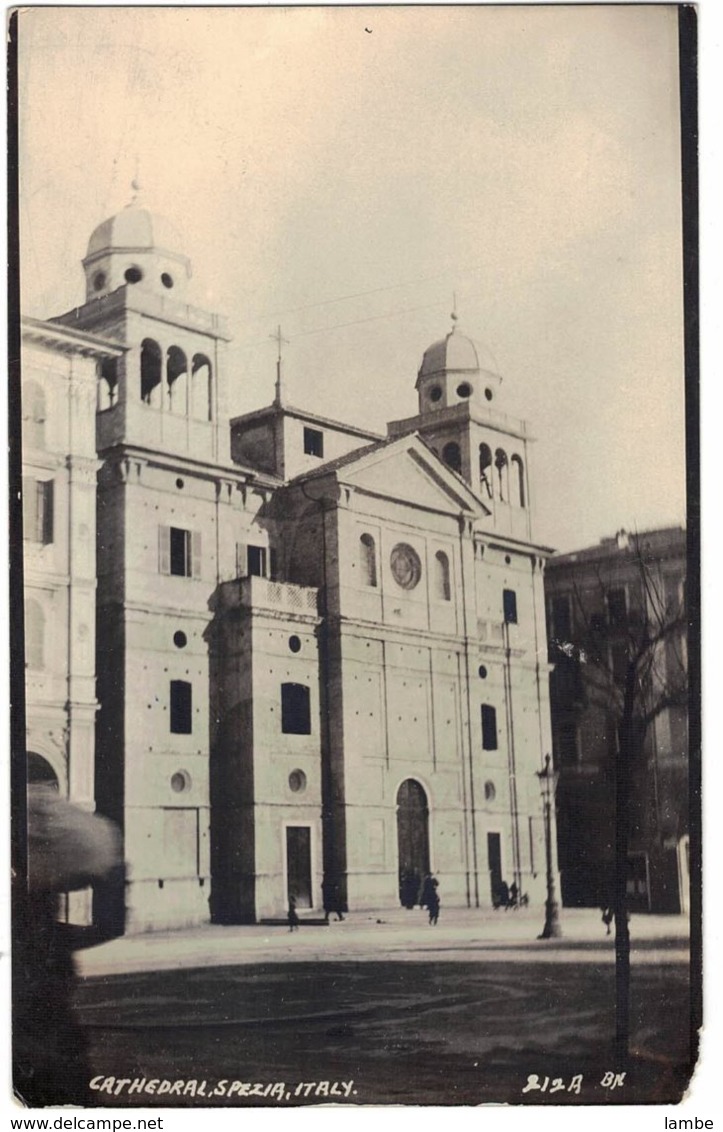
70	341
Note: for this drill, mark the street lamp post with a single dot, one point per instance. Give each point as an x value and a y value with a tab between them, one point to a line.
548	780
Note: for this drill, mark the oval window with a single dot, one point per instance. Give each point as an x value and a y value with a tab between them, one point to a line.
464	390
133	275
297	782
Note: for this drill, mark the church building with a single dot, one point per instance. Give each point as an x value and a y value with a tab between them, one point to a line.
320	653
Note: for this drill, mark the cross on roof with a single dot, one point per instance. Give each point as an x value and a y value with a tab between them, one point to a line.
280	340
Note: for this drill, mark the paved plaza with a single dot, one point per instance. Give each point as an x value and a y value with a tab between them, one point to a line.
462	1013
401	934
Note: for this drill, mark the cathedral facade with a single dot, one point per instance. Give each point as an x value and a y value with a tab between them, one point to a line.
319	653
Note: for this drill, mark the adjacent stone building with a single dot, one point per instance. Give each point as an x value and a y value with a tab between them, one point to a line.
320	653
607	604
59	368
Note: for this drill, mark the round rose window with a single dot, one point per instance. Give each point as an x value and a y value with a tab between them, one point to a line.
406	566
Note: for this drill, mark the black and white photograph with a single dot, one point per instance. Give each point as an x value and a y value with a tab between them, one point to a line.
355	593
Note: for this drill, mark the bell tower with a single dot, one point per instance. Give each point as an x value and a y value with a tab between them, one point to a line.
458	385
168	392
171	511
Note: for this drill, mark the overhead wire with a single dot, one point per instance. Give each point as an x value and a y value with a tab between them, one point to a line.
354	322
374	291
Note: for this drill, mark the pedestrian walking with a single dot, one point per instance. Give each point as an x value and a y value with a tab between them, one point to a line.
293	915
433	904
333	903
429	897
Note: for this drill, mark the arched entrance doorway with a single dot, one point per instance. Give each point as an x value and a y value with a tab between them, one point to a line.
40	772
412	840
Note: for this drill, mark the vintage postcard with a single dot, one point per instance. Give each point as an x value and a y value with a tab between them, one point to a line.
353	429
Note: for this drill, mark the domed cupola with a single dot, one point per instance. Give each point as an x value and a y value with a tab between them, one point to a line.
456	370
136	247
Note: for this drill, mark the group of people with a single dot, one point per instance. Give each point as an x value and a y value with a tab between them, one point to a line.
508	896
333	904
424	893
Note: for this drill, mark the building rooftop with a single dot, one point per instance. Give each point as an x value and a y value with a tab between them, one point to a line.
276	410
661	542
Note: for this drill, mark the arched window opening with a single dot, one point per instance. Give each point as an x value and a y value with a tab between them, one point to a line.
485	469
34	414
295	709
34	635
201	389
503	484
518	481
151	372
442	591
368	560
412	840
489	727
181	707
177	380
452	456
107	383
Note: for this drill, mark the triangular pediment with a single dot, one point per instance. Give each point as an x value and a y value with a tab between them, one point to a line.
407	471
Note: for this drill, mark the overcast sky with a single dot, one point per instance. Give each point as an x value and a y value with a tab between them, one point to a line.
343	171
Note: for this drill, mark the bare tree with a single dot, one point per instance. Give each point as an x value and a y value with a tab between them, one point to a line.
625	657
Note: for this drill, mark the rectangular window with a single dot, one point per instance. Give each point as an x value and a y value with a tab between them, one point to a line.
179	552
509	605
489	728
181	707
257	561
295	709
313	442
38	498
561	619
617	607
